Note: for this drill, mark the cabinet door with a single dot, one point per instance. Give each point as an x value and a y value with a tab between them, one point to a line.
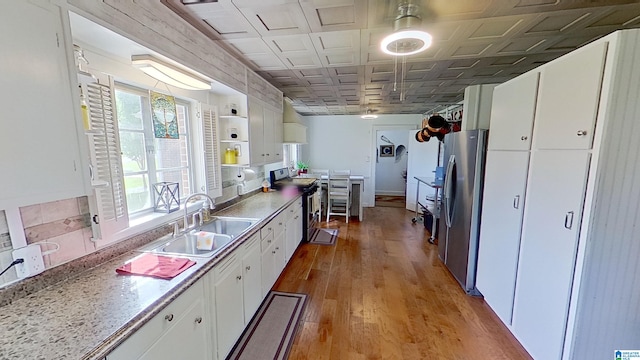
555	195
278	136
503	202
269	136
39	149
568	100
291	232
256	133
181	313
512	113
279	253
268	268
229	308
252	277
187	339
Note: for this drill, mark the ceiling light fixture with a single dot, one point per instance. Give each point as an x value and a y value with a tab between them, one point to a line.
368	115
168	73
406	39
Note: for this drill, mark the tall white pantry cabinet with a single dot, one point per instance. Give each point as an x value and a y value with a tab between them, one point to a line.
559	255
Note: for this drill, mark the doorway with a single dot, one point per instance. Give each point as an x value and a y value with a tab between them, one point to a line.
390	165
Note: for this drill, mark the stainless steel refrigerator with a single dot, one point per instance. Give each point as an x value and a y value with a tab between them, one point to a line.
464	156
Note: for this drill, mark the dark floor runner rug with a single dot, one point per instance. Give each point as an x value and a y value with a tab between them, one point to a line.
272	330
324	237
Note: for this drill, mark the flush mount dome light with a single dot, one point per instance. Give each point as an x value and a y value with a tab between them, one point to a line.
368	115
168	73
407	42
406	39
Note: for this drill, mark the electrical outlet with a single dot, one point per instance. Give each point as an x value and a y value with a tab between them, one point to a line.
33	263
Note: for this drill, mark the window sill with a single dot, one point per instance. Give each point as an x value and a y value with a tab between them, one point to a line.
148	221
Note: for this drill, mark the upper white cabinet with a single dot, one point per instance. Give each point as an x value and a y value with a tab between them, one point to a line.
266	133
568	100
39	149
512	113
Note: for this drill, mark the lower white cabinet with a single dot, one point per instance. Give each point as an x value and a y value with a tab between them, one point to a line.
251	277
268	263
552	216
229	307
179	331
293	231
503	203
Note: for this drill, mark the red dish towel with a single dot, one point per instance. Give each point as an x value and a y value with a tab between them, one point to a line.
158	266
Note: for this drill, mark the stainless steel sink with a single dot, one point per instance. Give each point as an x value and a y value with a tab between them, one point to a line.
229	225
225	229
186	245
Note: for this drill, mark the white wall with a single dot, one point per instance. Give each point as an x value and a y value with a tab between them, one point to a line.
346	142
389	180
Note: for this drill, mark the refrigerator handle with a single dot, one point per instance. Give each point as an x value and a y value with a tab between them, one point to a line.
447	190
516	202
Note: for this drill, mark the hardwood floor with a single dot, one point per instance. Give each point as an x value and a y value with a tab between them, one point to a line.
382	293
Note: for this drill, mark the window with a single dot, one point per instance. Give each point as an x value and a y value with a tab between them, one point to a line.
291	154
147	160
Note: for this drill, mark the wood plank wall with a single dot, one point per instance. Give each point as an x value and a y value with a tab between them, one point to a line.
608	314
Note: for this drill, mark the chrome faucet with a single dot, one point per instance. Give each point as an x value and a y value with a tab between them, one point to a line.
199	212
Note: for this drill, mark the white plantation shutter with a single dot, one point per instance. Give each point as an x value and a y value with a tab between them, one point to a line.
107	175
213	171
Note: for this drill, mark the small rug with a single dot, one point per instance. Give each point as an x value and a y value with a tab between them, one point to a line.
324	237
272	330
390	201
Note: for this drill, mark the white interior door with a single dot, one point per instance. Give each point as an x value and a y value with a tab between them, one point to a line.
568	99
512	113
555	195
502	207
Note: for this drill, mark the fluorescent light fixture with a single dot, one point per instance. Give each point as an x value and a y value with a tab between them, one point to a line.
168	73
405	42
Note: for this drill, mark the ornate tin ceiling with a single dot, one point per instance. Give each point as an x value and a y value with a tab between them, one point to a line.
324	54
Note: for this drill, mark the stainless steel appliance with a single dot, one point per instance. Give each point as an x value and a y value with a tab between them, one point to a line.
464	154
280	178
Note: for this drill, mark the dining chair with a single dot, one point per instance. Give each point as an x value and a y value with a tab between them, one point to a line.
339	193
318	174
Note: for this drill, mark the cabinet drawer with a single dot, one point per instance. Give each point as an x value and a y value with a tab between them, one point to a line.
268	228
226	266
138	343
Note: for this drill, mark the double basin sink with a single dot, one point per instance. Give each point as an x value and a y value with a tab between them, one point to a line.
225	229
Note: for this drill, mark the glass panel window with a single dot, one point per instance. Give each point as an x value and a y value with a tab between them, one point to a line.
147	160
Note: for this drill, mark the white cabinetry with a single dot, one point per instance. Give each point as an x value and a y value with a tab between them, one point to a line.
569	96
39	149
580	208
229	307
551	225
268	262
252	276
512	113
293	229
273	250
179	331
505	183
266	132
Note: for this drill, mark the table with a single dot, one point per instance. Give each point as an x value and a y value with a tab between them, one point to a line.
436	204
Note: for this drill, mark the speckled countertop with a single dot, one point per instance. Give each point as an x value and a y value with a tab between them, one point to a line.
86	317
